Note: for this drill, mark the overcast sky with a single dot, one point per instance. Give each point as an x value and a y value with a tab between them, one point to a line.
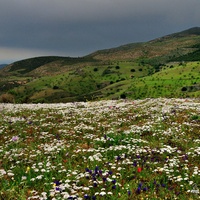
32	28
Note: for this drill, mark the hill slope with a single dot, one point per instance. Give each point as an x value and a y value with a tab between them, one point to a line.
163	48
135	70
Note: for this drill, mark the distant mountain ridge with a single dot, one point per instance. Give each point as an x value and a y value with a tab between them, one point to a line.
164	48
191	31
137	70
2	65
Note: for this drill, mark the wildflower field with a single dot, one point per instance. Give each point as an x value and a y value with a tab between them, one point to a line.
122	149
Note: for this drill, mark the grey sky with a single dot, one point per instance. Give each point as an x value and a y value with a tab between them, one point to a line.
32	28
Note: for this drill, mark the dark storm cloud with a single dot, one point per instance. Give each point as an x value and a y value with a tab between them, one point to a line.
78	27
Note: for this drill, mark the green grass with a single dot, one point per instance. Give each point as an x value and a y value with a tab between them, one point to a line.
79	82
169	82
111	81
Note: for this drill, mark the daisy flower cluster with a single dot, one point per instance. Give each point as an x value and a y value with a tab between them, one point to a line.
116	149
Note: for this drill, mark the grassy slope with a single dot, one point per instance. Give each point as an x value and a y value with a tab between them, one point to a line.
79	82
38	66
109	82
164	49
169	82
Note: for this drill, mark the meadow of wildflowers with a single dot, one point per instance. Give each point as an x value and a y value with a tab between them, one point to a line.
143	149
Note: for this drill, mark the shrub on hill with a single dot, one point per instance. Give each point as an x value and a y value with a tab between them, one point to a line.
123	96
132	70
7	98
184	89
55	87
107	71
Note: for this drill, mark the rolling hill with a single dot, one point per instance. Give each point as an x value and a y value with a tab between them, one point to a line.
164	67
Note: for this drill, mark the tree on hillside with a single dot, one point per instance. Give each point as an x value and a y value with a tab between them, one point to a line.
123	96
132	70
117	67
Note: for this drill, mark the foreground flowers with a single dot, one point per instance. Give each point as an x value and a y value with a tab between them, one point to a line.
108	149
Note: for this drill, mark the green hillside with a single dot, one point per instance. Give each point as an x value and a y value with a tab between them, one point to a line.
164	67
174	80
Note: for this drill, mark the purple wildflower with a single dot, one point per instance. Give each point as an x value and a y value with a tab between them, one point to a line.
86	196
134	163
118	158
87	170
163	185
114	181
139	185
104	179
95	185
57	182
110	172
145	189
96	169
114	187
138	191
15	138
